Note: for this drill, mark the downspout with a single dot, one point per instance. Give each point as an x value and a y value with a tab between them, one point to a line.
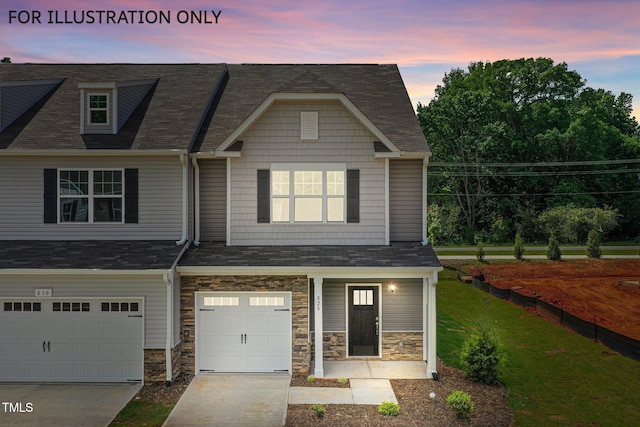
185	199
168	279
196	200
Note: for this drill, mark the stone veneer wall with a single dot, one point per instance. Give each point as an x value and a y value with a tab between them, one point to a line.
335	346
297	285
411	348
154	366
176	365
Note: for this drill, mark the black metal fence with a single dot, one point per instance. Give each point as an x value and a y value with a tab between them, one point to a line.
622	344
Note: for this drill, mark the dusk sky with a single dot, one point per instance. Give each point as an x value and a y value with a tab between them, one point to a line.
426	38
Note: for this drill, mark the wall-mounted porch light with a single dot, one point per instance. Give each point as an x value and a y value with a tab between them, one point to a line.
392	287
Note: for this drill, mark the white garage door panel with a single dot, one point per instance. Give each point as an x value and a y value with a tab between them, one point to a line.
74	346
242	337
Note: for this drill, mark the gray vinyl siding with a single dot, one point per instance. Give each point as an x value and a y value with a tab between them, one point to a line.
275	138
16	100
213	200
129	98
159	204
153	290
333	317
405	200
402	309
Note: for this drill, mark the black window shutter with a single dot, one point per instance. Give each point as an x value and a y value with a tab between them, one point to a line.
353	195
50	196
264	195
131	196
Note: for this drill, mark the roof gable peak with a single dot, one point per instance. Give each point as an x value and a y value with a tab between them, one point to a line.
308	82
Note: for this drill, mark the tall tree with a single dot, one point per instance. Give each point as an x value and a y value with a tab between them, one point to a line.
5	60
524	111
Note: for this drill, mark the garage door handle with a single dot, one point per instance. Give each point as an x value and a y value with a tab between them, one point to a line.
49	346
245	338
44	348
241	339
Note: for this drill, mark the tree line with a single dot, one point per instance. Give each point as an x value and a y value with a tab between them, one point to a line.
519	145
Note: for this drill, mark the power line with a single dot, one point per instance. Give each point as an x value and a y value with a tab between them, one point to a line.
531	173
537	164
533	194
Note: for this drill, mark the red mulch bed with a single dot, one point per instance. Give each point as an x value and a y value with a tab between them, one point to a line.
605	292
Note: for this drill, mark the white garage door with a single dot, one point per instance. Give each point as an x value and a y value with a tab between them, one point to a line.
243	332
74	340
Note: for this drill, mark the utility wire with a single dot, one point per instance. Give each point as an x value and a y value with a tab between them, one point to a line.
538	164
531	173
534	194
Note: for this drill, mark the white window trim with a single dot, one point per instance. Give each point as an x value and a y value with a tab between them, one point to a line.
107	108
91	197
300	167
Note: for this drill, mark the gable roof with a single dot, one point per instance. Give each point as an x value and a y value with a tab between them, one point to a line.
167	118
376	91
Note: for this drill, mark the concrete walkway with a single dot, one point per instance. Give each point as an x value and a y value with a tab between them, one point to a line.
261	399
368	379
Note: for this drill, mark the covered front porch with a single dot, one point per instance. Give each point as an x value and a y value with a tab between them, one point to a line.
386	369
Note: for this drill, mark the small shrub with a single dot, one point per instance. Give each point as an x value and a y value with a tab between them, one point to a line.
343	380
480	251
389	408
311	379
461	402
553	250
518	247
319	410
593	245
482	357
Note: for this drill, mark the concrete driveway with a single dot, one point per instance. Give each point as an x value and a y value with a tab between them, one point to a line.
232	400
53	405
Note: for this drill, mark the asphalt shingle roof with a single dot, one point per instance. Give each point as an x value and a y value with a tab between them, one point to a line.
100	255
397	255
170	120
376	90
170	116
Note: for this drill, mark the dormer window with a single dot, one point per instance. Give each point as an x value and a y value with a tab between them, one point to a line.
106	106
98	109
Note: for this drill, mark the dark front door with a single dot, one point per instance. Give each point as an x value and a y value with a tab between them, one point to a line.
364	321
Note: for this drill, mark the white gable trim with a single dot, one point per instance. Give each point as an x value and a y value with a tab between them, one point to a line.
302	97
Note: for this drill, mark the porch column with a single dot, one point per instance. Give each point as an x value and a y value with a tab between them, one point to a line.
317	307
430	283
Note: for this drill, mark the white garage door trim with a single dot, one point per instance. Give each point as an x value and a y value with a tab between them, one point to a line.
230	331
72	339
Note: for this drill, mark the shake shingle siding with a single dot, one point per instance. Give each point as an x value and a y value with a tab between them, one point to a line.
275	138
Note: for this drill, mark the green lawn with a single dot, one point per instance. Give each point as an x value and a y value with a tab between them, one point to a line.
555	378
138	413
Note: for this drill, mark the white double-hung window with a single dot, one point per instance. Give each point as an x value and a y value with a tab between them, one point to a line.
308	193
90	196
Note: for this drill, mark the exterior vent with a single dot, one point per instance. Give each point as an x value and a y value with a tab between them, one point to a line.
309	125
